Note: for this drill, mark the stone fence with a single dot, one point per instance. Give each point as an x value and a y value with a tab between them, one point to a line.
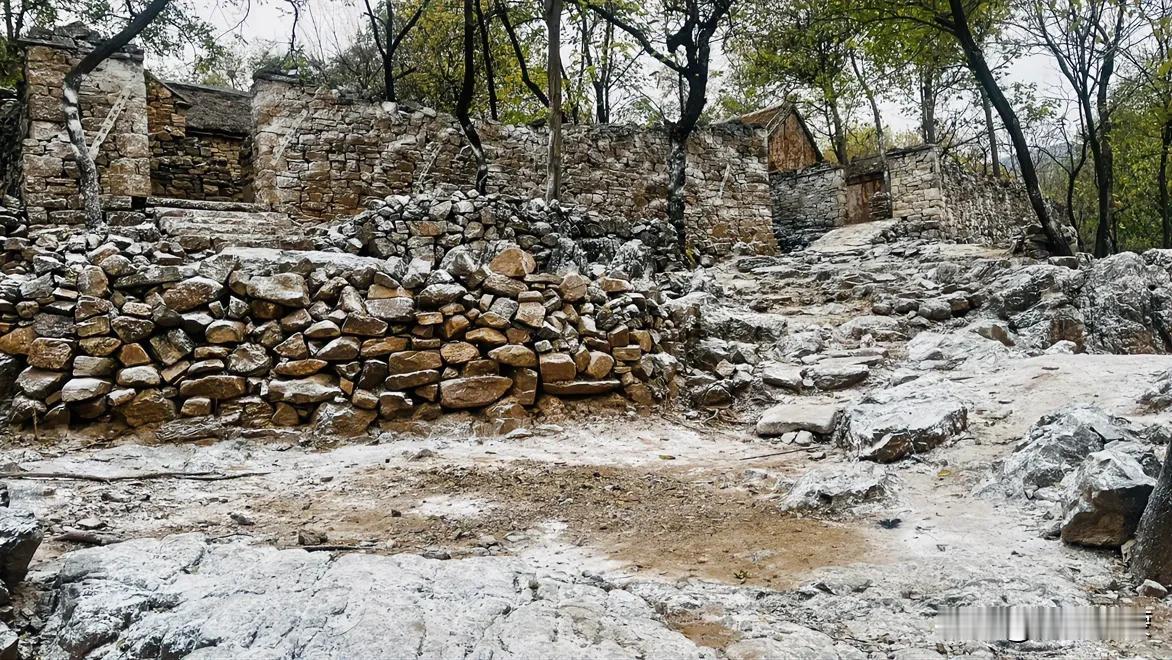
320	153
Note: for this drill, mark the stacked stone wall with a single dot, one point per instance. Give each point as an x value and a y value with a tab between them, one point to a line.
187	164
807	204
939	198
562	238
49	173
261	337
321	154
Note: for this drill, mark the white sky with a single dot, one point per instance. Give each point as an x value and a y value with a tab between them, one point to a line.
267	22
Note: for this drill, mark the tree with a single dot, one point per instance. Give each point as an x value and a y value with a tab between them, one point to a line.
387	39
1085	38
87	171
464	102
691	27
553	24
1151	556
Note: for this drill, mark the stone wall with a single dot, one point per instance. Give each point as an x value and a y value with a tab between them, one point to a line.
939	198
321	154
932	197
141	333
807	204
49	184
189	164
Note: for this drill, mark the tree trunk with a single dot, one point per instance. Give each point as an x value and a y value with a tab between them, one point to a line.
994	156
927	108
1029	175
553	24
877	116
1071	184
1151	557
1105	180
464	102
489	74
838	137
1162	180
91	190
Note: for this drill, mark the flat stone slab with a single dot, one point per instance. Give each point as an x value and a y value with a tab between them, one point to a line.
817	418
181	596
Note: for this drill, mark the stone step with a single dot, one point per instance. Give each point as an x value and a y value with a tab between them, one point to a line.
197	229
200	204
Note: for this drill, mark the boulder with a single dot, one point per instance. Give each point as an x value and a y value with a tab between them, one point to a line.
817	417
557	367
20	536
473	392
514	355
1107	496
395	310
148	407
1054	447
836	486
192	293
214	387
314	389
914	417
342	420
84	389
50	353
787	376
288	289
837	377
513	262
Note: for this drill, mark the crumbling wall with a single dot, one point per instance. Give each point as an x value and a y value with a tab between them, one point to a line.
322	154
49	178
188	164
807	204
938	198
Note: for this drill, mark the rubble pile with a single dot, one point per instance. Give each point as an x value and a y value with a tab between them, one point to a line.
561	238
145	333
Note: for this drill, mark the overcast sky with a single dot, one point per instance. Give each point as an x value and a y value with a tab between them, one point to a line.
331	23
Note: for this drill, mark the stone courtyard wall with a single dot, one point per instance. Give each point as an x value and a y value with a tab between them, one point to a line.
806	204
933	197
939	197
187	164
321	154
49	179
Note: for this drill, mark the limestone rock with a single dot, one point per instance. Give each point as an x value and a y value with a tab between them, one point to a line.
473	392
214	387
1107	497
288	289
513	262
837	486
20	536
192	293
314	389
909	418
819	418
84	389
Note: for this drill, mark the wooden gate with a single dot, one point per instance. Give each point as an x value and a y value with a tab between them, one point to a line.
859	191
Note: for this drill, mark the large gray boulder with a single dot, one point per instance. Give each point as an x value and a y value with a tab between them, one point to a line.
20	536
182	596
1108	495
1054	447
833	487
910	418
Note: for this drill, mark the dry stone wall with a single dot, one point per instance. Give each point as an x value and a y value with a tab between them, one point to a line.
186	164
49	178
807	204
933	198
938	198
561	238
143	333
322	154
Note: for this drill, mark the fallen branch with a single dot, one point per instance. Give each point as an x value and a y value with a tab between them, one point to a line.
333	548
780	453
196	476
88	538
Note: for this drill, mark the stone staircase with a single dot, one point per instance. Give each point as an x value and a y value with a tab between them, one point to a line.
199	225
